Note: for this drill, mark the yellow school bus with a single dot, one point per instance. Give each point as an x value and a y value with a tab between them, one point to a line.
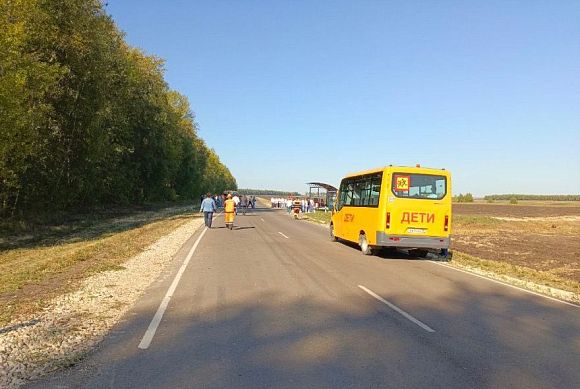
394	206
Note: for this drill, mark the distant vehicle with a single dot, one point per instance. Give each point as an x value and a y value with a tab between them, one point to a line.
395	206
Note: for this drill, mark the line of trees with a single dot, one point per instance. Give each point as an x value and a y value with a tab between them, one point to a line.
533	197
86	119
266	192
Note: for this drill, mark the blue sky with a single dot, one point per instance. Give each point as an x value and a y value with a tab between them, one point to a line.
289	92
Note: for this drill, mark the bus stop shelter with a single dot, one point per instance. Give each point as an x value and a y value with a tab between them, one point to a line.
329	192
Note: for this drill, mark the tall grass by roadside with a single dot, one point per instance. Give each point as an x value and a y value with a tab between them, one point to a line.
518	275
51	260
319	216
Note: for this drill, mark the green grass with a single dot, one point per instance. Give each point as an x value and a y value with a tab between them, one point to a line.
59	227
54	260
476	220
320	216
525	274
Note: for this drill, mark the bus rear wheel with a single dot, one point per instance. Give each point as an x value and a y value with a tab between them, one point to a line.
365	248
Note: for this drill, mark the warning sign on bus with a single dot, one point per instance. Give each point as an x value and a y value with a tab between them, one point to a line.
402	183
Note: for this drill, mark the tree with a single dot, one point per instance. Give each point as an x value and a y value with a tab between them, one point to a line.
86	119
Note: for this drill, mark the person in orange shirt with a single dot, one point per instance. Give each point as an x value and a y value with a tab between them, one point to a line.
229	212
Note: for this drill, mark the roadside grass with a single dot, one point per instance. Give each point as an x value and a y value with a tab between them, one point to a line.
52	260
46	230
320	216
518	275
476	220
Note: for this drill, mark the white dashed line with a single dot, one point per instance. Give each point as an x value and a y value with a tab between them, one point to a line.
150	333
399	310
283	235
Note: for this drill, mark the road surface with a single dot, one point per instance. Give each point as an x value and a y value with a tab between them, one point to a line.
275	304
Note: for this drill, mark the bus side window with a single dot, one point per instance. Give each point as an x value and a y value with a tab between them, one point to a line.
440	188
375	190
359	192
366	192
345	194
349	193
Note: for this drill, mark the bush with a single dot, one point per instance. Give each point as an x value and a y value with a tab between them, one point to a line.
464	198
513	200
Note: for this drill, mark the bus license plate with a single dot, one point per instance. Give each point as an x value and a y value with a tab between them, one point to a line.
416	230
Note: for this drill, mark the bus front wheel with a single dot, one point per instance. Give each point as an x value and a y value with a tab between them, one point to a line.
333	237
364	245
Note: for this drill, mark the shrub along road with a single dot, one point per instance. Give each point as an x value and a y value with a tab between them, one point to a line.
273	303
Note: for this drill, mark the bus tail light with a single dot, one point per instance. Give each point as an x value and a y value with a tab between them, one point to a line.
446	226
388	220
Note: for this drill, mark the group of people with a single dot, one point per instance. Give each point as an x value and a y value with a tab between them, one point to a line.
306	205
230	203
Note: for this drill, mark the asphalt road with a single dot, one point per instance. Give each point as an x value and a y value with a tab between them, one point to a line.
275	304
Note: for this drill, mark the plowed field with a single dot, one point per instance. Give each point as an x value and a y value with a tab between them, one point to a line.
543	237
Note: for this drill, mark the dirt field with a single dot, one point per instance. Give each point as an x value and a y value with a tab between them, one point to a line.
521	210
544	237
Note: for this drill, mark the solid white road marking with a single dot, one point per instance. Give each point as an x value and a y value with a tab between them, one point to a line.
150	333
399	310
283	235
506	284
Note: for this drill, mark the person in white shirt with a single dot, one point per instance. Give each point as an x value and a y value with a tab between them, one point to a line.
236	202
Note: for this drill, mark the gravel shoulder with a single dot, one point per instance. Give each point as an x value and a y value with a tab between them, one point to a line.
70	325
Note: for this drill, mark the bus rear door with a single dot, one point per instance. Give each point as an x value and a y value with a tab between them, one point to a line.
418	205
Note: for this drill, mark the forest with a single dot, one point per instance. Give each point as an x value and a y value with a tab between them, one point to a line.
87	120
267	192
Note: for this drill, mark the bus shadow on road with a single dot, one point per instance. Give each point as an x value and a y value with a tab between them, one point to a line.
388	253
402	254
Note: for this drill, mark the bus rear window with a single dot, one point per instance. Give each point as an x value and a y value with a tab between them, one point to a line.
419	186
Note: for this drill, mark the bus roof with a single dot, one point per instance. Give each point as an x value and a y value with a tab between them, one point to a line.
415	169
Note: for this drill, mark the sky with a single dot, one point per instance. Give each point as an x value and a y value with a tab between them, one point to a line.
290	92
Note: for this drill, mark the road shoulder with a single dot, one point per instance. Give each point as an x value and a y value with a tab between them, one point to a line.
73	324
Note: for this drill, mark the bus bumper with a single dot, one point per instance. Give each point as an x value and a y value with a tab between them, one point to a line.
412	242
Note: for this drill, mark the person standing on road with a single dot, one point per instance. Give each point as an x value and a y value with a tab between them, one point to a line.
208	208
229	212
236	199
244	204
